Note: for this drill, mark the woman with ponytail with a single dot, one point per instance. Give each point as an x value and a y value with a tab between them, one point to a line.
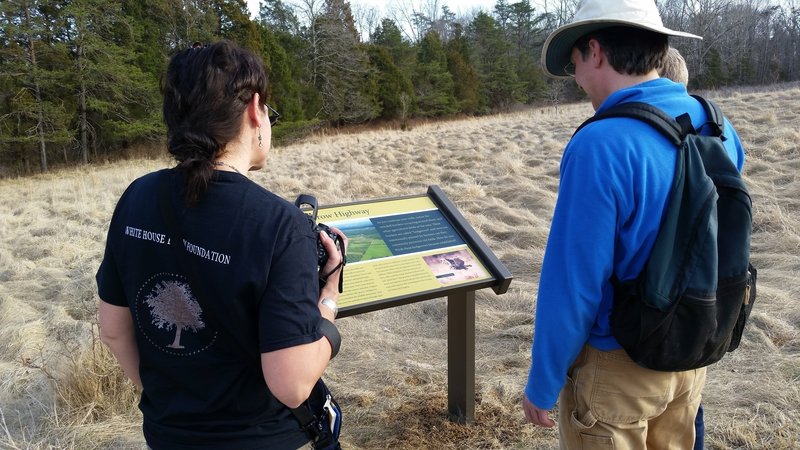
211	299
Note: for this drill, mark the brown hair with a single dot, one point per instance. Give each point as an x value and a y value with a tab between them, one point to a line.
206	89
633	51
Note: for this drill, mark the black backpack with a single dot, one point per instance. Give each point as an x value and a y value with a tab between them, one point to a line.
690	303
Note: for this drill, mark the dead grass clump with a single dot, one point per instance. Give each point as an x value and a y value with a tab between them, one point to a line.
96	390
776	330
740	431
82	403
426	425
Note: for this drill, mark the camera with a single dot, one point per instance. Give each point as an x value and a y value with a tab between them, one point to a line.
322	254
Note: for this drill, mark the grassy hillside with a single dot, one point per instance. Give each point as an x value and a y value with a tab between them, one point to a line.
59	388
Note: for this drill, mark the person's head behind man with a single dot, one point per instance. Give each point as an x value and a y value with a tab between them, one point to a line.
609	45
674	67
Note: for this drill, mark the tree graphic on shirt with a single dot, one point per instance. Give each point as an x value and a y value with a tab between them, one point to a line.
172	305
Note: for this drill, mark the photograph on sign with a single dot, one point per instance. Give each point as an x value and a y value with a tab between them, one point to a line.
452	267
365	241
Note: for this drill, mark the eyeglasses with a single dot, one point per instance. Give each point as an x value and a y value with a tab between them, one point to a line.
272	114
569	69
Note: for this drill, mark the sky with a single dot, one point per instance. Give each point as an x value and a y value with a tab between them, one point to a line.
457	6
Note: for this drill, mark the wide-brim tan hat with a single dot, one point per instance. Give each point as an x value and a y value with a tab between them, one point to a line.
594	15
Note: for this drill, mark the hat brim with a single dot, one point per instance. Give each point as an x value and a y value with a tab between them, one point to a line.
557	48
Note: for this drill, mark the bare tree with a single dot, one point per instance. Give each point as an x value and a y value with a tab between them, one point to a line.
414	18
559	12
366	19
785	42
311	11
738	39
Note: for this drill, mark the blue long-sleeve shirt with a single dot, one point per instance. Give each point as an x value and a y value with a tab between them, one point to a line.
615	179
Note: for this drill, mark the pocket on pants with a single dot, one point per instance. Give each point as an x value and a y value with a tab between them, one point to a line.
591	442
581	422
624	392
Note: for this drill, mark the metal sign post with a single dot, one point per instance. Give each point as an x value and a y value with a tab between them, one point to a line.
461	357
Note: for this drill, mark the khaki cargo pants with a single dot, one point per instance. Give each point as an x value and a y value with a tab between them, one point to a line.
610	402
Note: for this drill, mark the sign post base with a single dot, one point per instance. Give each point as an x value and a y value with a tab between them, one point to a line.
461	357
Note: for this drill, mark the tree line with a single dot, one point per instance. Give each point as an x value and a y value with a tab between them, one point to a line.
79	79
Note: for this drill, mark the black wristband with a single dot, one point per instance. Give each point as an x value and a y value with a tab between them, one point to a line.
329	330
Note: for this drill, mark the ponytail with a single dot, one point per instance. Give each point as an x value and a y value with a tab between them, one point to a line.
206	90
195	152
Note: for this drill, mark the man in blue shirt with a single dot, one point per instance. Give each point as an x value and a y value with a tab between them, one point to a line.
614	184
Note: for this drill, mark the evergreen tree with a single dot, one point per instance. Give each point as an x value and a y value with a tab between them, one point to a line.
149	22
184	22
116	102
392	86
465	78
235	24
284	90
389	36
278	17
30	116
288	53
525	36
500	86
713	76
434	84
342	67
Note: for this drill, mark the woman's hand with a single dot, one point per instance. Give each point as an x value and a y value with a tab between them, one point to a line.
331	272
335	256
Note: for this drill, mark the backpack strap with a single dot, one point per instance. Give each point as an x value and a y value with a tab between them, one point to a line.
672	129
716	120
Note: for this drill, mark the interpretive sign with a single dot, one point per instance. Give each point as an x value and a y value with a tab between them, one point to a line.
407	249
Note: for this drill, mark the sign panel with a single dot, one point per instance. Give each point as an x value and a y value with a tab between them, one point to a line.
407	249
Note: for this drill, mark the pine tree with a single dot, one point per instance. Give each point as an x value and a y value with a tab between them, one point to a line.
30	116
117	103
713	76
524	33
389	36
284	90
235	24
434	84
500	86
342	67
391	84
465	77
278	17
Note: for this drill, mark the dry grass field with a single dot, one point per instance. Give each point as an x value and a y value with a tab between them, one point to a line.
60	389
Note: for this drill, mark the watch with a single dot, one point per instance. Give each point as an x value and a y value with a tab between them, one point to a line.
332	305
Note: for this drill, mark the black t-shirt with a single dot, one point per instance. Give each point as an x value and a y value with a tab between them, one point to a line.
255	255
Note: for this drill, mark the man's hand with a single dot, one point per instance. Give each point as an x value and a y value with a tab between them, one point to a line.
536	415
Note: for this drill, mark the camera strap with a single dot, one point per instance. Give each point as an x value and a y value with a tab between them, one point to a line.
324	278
